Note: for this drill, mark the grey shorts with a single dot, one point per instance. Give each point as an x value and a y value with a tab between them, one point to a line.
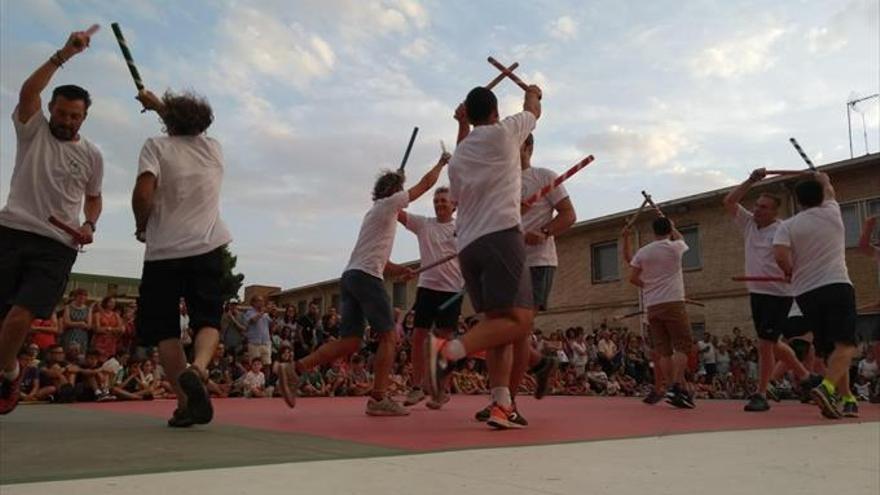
495	273
363	296
542	282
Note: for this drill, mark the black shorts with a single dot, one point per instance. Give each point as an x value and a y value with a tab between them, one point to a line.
795	326
428	312
830	311
542	282
33	271
363	296
495	272
770	315
196	279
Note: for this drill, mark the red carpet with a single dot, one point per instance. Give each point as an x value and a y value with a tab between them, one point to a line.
552	420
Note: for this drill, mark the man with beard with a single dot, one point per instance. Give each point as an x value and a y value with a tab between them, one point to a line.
57	172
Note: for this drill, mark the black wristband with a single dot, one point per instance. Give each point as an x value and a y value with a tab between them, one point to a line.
91	224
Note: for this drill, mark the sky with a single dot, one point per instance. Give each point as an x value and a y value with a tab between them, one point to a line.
313	98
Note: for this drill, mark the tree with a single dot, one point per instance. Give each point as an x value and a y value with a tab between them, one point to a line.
231	282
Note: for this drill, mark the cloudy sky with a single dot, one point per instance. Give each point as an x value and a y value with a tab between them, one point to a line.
312	98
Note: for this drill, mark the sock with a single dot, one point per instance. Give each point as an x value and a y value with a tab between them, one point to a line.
12	375
453	350
828	385
849	398
501	396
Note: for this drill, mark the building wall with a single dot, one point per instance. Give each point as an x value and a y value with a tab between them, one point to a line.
98	286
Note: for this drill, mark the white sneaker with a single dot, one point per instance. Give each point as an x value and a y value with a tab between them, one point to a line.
414	396
385	407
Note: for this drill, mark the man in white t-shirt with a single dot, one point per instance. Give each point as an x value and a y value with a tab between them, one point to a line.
770	301
486	184
549	217
363	294
810	248
656	269
57	172
176	204
436	286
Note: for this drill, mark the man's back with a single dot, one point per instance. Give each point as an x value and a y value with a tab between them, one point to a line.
660	262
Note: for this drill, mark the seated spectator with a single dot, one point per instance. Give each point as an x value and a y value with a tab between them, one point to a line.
114	368
336	379
608	353
107	326
136	384
722	359
30	380
597	379
312	384
91	380
253	384
862	388
44	333
158	373
74	354
54	374
360	381
219	376
572	383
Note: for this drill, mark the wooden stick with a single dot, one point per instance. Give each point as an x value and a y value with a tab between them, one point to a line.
435	264
412	139
89	32
126	54
72	232
635	216
534	198
758	278
500	77
800	151
451	300
651	202
628	315
695	303
784	172
505	72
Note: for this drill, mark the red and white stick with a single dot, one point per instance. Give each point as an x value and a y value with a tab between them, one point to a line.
500	77
758	278
506	72
531	200
77	236
651	202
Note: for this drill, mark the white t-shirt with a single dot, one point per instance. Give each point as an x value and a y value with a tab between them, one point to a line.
185	219
707	352
816	238
436	241
868	369
660	262
51	177
540	214
376	238
795	310
485	178
759	254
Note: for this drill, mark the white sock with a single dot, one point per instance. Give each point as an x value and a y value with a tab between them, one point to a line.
12	375
501	396
454	350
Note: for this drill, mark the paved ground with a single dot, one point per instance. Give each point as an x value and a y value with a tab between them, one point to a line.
606	445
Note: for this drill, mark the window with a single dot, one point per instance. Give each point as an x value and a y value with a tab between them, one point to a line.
334	301
691	259
873	207
851	223
399	295
606	266
301	307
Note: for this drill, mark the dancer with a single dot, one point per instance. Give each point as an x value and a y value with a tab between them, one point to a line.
56	171
437	285
176	204
540	227
656	269
363	292
770	301
486	183
809	247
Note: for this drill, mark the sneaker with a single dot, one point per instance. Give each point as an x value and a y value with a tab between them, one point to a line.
483	414
807	385
679	398
385	407
288	383
180	419
516	417
826	401
850	410
414	396
772	393
198	402
543	371
653	397
10	393
757	403
105	398
438	366
502	418
432	404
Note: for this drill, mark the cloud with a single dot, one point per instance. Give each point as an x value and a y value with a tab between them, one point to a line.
563	28
739	57
654	147
857	16
417	49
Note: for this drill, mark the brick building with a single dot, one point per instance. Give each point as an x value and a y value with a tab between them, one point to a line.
591	288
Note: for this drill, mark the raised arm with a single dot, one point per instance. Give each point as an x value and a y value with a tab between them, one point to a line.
401	217
635	276
731	201
532	101
142	202
29	96
429	179
827	188
627	245
464	127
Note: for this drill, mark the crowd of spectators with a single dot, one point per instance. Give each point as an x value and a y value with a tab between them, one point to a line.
87	351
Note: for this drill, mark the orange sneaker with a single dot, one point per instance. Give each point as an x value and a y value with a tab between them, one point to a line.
503	418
